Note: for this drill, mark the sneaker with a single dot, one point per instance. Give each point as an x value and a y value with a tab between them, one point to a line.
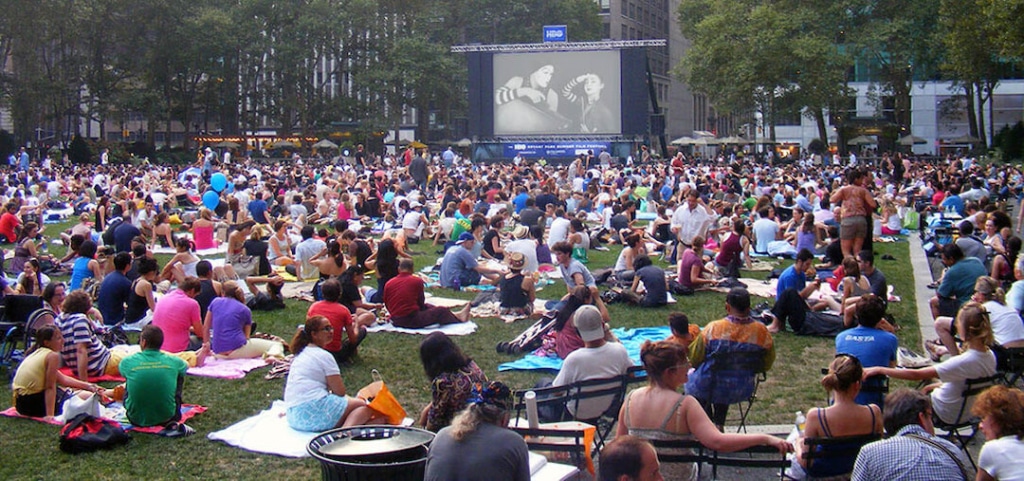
601	248
764	306
177	430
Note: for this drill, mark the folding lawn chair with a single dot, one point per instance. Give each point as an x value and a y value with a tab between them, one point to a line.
972	388
745	361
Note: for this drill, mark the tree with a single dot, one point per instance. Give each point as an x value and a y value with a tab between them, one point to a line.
971	58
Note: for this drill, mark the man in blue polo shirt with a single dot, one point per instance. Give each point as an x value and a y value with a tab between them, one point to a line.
791	306
870	345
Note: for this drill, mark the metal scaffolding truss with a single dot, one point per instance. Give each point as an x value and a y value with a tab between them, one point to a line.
559	46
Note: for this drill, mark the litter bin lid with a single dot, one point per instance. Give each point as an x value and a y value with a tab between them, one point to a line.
374	443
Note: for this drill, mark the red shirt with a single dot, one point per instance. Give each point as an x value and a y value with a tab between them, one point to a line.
8	222
338	315
403	295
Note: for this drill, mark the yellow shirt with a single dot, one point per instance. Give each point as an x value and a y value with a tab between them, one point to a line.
31	375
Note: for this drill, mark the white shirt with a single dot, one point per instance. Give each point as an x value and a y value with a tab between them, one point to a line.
690	223
970	364
527	247
1006	323
1001	458
588	363
307	378
559	230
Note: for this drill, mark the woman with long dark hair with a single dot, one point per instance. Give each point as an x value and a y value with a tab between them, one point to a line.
352	298
315	392
35	384
385	261
452	376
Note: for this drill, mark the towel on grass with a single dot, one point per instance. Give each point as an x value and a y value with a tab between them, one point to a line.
298	290
267	432
104	378
631	339
756	287
219	250
226	368
115	412
457	329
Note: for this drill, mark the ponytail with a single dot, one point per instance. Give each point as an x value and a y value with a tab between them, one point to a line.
303	337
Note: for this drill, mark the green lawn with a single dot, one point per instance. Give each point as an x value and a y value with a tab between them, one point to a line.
28	450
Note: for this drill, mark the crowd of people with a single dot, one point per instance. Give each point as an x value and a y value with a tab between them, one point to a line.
507	225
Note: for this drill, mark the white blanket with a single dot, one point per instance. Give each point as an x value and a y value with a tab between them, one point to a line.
267	432
457	329
219	250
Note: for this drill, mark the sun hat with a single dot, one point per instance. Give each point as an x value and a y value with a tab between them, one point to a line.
515	260
520	232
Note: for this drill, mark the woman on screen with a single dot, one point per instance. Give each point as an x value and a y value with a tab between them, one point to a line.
594	115
529	105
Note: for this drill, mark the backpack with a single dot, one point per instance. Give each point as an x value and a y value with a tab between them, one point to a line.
86	433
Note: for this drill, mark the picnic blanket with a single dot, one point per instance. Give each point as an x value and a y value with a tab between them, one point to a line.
115	412
444	301
457	329
631	339
298	290
226	368
267	432
756	287
493	309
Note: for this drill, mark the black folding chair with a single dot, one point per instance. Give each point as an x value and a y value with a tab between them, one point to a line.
612	391
726	363
570	441
972	388
681	451
1013	365
16	312
756	457
832	450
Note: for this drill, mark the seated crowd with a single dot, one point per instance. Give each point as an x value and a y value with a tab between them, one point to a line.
508	227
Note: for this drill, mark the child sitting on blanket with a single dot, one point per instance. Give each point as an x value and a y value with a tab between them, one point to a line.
683	333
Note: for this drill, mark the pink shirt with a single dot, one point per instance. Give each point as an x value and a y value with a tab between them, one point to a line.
175	313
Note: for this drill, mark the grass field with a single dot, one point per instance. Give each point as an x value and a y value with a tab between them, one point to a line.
28	450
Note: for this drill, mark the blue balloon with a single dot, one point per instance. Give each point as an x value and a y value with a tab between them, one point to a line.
218	181
211	200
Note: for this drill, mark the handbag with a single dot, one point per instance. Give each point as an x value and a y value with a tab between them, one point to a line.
379	398
75	406
245	265
86	433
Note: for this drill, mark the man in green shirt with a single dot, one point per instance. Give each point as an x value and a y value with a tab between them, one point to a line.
154	381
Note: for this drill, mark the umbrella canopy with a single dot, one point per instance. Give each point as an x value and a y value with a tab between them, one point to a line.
417	144
464	142
860	140
227	144
684	140
703	133
283	144
912	140
325	144
733	140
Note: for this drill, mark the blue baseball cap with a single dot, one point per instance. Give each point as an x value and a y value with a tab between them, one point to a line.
465	236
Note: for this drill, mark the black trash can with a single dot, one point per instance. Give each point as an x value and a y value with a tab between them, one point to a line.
372	453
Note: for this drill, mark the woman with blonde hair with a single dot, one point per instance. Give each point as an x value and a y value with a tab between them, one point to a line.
35	384
843	418
202	230
659	411
977	361
1001	410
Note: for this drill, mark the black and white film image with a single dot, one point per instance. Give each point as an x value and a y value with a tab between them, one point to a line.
557	93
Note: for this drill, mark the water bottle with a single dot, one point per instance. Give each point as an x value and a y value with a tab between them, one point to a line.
457	284
801	421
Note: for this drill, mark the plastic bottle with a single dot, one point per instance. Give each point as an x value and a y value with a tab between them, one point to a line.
457	284
801	421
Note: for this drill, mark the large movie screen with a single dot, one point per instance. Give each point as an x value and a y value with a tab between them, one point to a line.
550	93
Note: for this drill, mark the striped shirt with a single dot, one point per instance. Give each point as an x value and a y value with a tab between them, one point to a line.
77	329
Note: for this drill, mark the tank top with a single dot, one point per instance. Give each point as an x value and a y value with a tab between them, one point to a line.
511	291
206	295
204	237
730	250
837	465
79	272
31	375
682	471
137	305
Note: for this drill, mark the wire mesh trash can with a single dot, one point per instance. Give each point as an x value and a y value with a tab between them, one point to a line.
372	453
